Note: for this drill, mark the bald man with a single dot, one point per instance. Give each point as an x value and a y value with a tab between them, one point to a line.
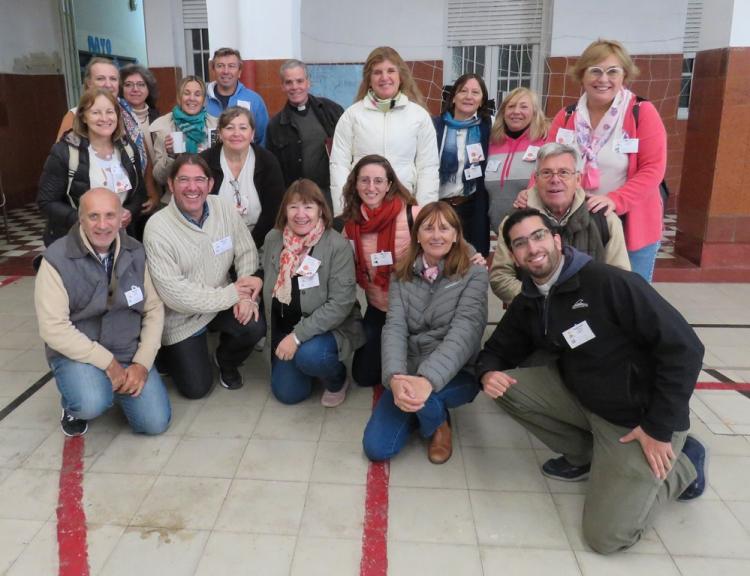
101	320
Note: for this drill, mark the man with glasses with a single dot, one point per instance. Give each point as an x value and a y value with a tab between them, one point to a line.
612	398
191	246
557	193
227	90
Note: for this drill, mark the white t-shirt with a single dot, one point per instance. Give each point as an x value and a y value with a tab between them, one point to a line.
109	173
241	192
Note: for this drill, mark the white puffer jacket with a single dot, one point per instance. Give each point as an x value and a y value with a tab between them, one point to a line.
405	135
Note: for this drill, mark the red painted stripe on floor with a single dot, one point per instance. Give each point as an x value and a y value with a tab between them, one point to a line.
739	386
71	519
9	280
375	536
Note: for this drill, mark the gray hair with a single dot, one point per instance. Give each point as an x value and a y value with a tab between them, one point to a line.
552	149
293	63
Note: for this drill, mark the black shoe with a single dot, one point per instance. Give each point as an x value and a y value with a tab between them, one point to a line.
697	454
72	426
229	377
561	469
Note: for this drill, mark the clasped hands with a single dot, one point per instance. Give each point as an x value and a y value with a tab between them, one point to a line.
410	392
248	288
128	380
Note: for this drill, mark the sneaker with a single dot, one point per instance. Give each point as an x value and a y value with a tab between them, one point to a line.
698	456
229	377
72	426
561	469
333	399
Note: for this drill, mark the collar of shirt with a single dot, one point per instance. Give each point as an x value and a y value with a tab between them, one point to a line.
199	223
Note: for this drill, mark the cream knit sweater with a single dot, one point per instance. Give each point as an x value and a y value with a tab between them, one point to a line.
191	279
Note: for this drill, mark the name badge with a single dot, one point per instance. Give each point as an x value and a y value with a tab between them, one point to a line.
493	165
221	246
627	146
475	153
309	266
530	155
244	104
134	295
565	136
305	282
579	334
384	258
122	185
473	172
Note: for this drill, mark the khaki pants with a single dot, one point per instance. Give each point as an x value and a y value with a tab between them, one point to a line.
623	491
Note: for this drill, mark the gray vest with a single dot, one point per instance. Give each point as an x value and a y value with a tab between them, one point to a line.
97	308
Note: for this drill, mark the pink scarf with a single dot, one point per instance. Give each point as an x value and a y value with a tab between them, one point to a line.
292	254
590	142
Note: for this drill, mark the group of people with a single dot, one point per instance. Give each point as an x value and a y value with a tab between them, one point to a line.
267	229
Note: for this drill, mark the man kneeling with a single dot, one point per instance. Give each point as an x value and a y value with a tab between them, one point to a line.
101	320
613	397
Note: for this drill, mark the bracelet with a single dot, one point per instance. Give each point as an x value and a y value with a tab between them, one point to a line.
296	340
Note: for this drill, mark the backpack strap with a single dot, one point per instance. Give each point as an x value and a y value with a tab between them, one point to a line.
410	217
73	160
601	224
569	109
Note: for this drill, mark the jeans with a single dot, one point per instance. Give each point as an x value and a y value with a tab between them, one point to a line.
389	427
87	392
366	366
291	380
642	261
188	361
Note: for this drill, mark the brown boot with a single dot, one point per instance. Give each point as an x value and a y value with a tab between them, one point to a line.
441	444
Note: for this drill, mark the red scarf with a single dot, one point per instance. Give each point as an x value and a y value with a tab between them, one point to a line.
383	221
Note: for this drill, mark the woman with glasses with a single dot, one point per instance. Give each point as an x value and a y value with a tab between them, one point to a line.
245	174
378	210
190	119
463	135
437	311
517	134
388	118
623	145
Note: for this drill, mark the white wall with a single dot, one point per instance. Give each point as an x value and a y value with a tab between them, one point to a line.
114	21
643	26
30	37
259	29
165	38
347	30
740	24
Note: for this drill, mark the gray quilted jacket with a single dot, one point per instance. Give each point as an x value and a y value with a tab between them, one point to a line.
434	330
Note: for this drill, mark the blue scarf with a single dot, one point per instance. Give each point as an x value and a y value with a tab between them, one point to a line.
449	158
192	126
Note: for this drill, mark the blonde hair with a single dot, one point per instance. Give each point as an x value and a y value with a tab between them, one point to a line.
87	101
598	51
538	125
408	86
457	261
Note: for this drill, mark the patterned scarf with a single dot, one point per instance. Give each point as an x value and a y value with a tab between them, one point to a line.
591	141
134	131
429	273
292	254
193	126
383	221
449	157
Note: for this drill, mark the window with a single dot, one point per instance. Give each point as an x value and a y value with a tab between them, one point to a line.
198	53
686	84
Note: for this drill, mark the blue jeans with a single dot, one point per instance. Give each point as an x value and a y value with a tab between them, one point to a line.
87	392
291	380
642	261
389	427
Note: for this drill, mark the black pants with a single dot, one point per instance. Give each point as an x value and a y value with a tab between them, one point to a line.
366	367
189	364
475	222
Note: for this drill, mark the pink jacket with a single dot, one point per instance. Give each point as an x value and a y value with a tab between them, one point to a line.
376	296
639	197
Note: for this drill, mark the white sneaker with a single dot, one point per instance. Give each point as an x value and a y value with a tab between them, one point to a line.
333	399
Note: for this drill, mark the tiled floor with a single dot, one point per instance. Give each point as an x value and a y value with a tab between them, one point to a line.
243	485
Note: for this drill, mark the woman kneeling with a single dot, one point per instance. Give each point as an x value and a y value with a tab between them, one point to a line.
310	300
437	311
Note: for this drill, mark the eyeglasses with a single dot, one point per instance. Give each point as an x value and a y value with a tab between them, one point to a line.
185	180
563	174
365	181
612	72
231	66
131	85
523	241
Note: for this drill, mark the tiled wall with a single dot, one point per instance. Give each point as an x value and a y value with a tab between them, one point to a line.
714	209
31	107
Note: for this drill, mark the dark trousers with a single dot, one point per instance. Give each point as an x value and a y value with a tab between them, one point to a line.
475	222
189	364
366	366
